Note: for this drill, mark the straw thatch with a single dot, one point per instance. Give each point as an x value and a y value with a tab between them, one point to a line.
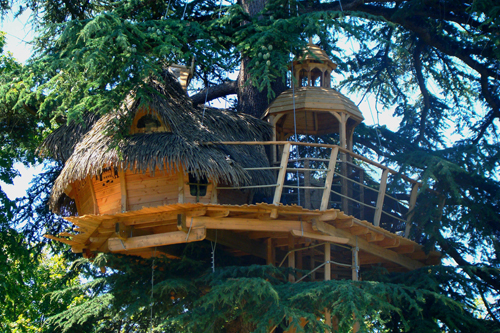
86	148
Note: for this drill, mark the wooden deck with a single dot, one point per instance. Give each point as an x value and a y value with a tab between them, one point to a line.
346	226
246	230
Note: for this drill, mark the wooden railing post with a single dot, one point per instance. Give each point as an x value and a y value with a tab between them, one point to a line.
329	178
282	174
413	201
380	198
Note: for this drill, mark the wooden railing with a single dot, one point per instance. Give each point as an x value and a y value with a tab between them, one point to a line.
338	179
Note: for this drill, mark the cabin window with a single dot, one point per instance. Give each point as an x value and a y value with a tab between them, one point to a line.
148	123
197	186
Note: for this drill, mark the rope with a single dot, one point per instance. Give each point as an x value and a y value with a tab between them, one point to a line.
220	8
205	105
152	286
213	246
295	131
183	14
168	7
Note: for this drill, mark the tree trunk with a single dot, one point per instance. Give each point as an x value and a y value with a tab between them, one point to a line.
250	99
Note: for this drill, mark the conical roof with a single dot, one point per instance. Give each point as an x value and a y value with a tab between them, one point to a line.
316	99
314	53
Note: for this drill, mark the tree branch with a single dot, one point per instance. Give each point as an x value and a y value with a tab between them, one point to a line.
453	253
221	90
423	88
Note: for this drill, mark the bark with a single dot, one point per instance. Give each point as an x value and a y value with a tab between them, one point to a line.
250	99
224	89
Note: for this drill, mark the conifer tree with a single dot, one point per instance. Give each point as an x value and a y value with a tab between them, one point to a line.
435	63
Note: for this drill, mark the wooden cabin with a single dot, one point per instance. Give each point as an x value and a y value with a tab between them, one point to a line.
184	174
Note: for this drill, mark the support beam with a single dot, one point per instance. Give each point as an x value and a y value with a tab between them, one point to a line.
329	178
270	259
281	174
368	247
330	216
237	241
122	231
321	237
380	198
232	223
413	201
141	242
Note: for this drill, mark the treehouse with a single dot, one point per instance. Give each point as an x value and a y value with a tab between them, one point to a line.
183	174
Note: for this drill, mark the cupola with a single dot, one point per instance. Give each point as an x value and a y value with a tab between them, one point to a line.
311	106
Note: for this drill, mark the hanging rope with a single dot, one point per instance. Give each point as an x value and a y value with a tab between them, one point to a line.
213	246
183	14
205	104
295	134
152	290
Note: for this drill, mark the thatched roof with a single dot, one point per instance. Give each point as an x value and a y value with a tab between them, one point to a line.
86	148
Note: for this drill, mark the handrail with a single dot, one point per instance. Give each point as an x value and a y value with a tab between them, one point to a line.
346	191
321	145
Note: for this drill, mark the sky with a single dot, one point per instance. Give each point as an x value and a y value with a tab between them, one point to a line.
18	36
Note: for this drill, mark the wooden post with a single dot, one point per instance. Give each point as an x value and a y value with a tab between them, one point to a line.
213	196
355	261
282	174
312	264
307	183
291	256
180	186
328	277
270	252
329	179
300	264
123	190
380	198
413	201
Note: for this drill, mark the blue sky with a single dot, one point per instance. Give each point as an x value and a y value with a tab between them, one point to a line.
19	34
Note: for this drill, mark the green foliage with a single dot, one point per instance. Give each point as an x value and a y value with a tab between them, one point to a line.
27	279
256	298
435	63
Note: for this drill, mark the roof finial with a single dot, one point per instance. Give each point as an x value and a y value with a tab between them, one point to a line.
310	40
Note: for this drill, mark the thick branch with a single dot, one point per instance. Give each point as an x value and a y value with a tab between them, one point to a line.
453	253
423	88
221	90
